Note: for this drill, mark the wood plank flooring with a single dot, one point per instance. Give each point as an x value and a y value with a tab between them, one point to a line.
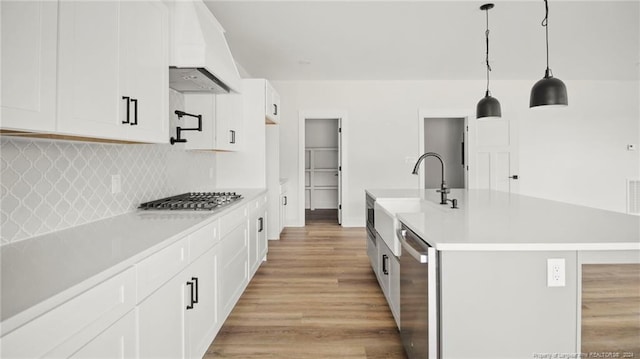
611	309
315	297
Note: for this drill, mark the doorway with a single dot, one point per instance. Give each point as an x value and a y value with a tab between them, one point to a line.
322	170
445	136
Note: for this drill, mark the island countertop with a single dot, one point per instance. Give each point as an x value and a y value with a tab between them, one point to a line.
492	220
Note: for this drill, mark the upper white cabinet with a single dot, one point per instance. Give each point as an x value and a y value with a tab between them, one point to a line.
221	121
272	104
113	70
29	31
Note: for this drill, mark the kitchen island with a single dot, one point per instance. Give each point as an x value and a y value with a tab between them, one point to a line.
496	296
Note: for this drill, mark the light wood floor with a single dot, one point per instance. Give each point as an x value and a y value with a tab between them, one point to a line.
611	309
315	297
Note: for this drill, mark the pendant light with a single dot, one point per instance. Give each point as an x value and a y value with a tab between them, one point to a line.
549	91
488	107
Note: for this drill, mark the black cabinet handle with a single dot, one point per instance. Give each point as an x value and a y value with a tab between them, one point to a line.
233	136
260	224
126	98
190	284
462	145
384	264
195	280
285	200
514	177
135	111
275	109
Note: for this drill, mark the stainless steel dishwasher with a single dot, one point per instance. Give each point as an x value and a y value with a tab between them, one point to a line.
419	306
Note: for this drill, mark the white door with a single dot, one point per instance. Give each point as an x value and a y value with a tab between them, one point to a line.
493	155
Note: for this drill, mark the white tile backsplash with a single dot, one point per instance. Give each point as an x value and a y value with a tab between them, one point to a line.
49	185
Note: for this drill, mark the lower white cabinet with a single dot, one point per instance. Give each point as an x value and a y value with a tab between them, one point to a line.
388	273
257	234
284	201
161	321
117	342
234	254
64	330
202	318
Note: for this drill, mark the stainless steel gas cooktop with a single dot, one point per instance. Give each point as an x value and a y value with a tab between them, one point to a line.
197	201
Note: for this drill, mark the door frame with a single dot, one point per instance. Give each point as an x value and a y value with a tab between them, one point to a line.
341	116
469	138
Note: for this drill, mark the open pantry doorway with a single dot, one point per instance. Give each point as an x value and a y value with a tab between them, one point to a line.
322	168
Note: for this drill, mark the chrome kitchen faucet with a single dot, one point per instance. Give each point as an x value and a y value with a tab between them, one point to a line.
443	186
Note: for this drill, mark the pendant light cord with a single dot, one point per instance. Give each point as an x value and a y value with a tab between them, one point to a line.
486	33
545	24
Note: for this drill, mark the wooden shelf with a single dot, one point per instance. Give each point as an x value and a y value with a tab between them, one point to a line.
320	167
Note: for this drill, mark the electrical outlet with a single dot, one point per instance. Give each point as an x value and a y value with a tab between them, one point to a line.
556	272
116	184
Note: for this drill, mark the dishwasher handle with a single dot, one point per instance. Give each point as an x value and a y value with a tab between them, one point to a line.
412	246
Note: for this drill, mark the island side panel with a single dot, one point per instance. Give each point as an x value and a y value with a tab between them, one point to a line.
496	304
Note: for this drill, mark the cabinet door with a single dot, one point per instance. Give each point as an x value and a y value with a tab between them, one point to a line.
161	321
118	341
233	254
89	68
394	287
202	320
228	122
29	40
262	234
144	69
272	104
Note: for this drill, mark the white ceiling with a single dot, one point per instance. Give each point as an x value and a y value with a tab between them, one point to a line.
438	40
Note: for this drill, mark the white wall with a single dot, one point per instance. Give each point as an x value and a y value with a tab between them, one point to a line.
576	155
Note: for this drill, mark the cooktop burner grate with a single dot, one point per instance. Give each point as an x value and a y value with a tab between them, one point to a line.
197	201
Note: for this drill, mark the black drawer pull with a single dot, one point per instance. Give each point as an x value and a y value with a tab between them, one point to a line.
385	270
190	284
260	224
135	111
127	98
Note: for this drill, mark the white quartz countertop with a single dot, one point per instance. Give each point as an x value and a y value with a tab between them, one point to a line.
491	220
41	272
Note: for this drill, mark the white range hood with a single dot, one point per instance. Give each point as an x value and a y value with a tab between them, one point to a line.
200	59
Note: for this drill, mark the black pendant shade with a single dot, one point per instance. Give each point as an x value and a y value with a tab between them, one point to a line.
548	91
488	107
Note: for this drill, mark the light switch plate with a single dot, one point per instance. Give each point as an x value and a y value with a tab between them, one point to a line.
116	184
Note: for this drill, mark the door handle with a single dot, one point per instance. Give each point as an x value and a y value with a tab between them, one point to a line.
127	98
190	284
135	111
195	281
385	270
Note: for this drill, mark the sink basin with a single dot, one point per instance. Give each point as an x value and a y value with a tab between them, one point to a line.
386	222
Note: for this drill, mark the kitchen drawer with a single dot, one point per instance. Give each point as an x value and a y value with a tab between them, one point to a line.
66	328
203	239
231	220
158	268
259	202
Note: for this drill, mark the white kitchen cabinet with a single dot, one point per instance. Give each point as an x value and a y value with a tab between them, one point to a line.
272	104
221	121
161	316
113	78
284	202
29	59
65	329
119	341
257	233
234	256
388	274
